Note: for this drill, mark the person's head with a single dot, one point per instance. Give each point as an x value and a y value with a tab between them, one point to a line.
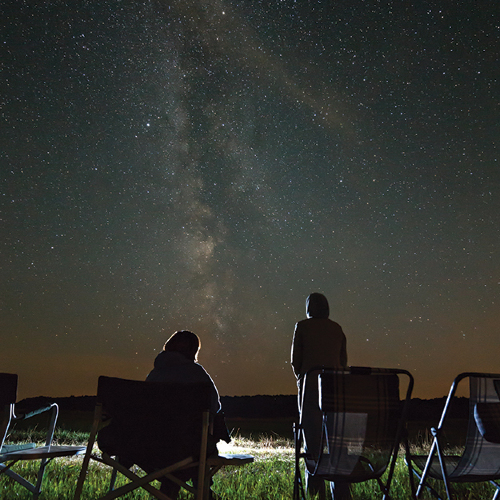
185	342
317	306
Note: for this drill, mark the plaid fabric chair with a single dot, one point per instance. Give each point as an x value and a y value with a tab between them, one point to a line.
480	460
163	428
10	454
363	422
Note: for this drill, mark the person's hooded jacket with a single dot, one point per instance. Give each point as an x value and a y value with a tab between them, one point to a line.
317	340
175	368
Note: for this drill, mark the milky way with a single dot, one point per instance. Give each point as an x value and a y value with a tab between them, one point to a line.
206	165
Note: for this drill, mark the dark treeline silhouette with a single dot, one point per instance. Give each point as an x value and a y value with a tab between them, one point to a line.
264	406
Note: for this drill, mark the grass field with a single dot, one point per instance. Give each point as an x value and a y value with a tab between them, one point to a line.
270	477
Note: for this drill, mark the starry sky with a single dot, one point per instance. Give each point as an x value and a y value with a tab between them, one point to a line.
206	165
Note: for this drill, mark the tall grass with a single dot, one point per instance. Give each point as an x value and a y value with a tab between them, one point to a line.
270	477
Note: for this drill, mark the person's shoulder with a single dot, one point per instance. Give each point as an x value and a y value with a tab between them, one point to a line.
160	359
199	367
335	326
200	370
203	375
334	323
301	323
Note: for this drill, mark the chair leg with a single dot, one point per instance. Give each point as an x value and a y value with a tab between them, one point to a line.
423	485
16	477
445	474
298	487
38	485
497	492
88	452
432	491
112	480
142	482
409	465
423	478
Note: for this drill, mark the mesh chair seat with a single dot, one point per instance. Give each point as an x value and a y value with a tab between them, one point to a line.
352	469
455	473
435	469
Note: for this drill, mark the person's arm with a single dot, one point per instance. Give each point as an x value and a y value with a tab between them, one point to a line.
297	351
214	399
214	393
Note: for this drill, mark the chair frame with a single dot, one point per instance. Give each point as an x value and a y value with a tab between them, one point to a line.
401	434
437	448
11	454
207	466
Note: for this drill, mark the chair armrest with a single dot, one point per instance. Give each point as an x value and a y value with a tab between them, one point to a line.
24	416
54	409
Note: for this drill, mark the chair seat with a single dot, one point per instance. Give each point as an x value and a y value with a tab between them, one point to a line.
435	469
456	473
43	452
352	469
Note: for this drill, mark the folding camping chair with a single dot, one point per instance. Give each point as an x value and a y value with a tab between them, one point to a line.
161	427
10	454
480	459
362	424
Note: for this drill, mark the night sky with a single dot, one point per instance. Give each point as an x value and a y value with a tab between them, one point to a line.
206	165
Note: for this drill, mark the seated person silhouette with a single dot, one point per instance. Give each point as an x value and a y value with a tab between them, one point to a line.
176	364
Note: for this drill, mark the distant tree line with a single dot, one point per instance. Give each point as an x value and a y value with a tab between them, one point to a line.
263	406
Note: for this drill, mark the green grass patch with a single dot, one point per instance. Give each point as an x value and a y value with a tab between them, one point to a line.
270	477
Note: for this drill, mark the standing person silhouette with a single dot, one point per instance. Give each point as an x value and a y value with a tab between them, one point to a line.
317	341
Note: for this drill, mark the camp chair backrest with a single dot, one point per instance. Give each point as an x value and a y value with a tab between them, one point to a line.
362	415
8	388
8	394
151	422
351	392
362	418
